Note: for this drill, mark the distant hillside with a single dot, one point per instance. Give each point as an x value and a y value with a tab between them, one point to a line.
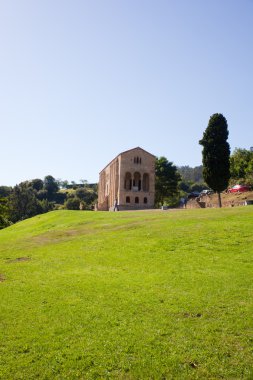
189	174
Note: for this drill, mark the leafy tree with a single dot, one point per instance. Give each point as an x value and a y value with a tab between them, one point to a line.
37	184
215	154
5	191
23	203
4	213
83	181
60	197
166	180
184	186
72	204
64	184
42	194
51	185
241	166
89	196
45	206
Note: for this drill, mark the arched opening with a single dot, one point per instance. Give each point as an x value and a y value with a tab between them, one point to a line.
137	160
127	199
145	183
128	181
137	181
136	200
145	200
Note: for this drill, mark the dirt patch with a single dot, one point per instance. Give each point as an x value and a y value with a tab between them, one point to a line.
2	277
227	200
18	259
192	315
54	237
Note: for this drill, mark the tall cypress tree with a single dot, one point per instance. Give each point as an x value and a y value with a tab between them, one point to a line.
215	154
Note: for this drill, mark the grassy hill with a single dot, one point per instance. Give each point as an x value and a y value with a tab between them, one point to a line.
128	295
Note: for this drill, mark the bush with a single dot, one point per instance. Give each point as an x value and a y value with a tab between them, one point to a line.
4	222
72	204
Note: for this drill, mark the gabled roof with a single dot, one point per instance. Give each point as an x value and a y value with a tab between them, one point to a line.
126	151
138	147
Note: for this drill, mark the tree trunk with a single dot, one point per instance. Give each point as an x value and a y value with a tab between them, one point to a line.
219	199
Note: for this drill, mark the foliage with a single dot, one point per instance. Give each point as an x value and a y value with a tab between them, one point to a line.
72	204
83	181
42	194
23	203
60	197
241	166
27	200
188	187
140	295
45	206
184	187
33	197
191	175
51	185
166	180
88	195
37	184
63	184
5	191
4	213
216	153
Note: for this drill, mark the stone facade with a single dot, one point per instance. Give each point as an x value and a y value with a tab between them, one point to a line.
130	179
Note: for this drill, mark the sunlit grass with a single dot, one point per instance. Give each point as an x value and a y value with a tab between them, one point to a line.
128	295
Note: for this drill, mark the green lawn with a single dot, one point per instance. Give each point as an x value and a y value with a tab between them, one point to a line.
128	295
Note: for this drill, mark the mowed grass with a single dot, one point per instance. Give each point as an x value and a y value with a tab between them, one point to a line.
128	295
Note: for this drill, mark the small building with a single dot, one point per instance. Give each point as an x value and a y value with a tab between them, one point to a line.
128	179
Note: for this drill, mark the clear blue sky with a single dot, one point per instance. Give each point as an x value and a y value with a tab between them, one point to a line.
81	81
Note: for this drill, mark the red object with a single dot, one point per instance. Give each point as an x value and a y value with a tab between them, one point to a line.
239	189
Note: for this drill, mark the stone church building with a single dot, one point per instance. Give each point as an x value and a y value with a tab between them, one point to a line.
128	179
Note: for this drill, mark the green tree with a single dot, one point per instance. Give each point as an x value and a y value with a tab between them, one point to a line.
83	181
241	166
4	213
64	184
166	180
72	204
89	196
216	154
51	185
23	203
36	184
5	191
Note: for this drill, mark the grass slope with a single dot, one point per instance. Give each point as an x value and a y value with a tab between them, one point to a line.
131	295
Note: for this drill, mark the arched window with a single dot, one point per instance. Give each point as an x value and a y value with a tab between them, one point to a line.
136	200
127	199
145	200
137	181
128	181
145	183
137	160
